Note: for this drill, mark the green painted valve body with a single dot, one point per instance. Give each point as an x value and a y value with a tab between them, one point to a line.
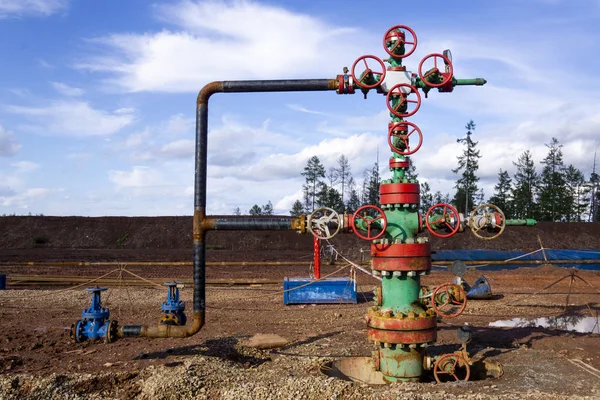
401	323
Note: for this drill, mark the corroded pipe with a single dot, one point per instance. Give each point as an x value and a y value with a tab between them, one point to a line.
202	223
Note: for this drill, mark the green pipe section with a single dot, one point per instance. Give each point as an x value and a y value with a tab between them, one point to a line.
521	222
467	82
401	293
401	364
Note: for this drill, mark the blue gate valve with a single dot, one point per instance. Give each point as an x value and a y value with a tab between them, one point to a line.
173	308
95	323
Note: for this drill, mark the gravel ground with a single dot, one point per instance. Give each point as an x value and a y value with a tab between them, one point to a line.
38	361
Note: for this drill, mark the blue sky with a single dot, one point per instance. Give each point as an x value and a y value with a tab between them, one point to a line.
97	98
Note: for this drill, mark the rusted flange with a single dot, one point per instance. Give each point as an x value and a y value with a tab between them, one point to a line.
402	337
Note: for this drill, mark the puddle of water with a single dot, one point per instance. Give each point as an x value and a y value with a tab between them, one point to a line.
565	323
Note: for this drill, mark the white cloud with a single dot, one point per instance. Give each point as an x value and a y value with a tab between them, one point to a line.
72	118
8	144
25	166
179	124
139	176
179	148
67	90
27	197
34	8
218	40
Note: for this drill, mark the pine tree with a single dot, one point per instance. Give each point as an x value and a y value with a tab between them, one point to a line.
502	193
237	211
353	203
553	200
372	195
594	186
411	172
526	182
329	197
313	174
297	209
466	185
578	194
426	197
438	197
267	209
343	176
255	210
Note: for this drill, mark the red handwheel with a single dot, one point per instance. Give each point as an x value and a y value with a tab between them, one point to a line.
394	37
401	93
449	300
446	73
368	71
369	220
448	219
451	367
402	131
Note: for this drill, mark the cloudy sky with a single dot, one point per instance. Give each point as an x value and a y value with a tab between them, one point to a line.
97	98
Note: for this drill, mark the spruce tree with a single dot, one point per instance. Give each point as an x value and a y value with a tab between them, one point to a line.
468	164
267	209
526	182
255	210
343	177
297	209
578	194
426	197
594	186
313	173
553	199
502	193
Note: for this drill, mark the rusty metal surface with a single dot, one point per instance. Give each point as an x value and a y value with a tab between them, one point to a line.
208	90
423	321
401	264
402	337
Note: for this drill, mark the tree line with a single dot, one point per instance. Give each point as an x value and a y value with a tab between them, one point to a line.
558	192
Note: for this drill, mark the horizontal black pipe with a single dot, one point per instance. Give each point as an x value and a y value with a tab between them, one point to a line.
256	223
284	85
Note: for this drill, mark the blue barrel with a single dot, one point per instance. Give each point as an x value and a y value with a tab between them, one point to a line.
2	282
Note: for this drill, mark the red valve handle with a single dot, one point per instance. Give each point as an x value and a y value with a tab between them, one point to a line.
443	219
368	71
398	90
435	70
459	300
369	220
447	365
404	126
400	39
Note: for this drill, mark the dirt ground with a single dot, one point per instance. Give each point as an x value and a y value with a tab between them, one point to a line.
38	361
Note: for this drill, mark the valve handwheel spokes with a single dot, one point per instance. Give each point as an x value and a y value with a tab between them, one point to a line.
451	367
449	219
402	131
324	223
368	72
449	300
377	221
487	216
397	38
447	75
398	99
